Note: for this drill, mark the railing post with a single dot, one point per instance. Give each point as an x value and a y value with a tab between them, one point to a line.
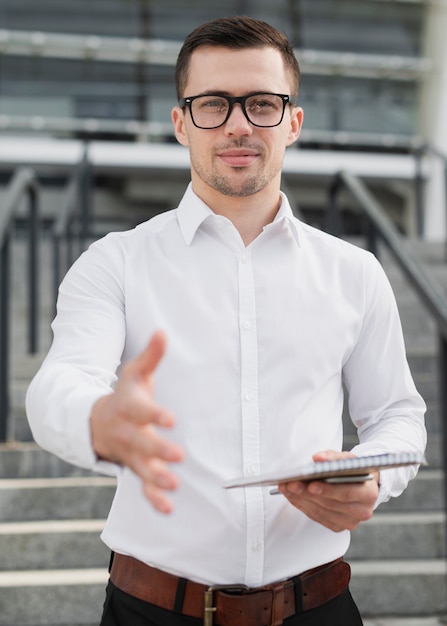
4	337
333	211
72	225
419	181
85	200
445	195
419	191
443	417
57	260
33	271
371	238
23	182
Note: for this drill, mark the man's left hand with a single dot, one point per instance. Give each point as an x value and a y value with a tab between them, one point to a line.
339	506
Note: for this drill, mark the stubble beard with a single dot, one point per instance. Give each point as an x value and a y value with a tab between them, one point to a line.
238	185
230	187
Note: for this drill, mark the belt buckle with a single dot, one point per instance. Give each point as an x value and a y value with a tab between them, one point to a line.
209	609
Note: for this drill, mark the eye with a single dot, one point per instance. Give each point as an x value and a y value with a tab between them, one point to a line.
263	104
212	104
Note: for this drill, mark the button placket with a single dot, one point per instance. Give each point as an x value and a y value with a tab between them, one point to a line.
250	419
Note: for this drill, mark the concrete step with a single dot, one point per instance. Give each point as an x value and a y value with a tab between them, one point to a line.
32	499
423	494
19	459
43	598
392	620
419	327
53	544
400	587
406	535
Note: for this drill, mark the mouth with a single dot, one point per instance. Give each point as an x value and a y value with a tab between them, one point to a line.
241	157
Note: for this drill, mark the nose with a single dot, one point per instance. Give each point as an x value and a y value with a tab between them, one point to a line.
237	123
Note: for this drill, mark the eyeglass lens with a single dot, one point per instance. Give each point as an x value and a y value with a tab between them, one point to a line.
261	109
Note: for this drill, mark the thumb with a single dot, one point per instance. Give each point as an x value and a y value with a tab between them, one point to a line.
331	455
145	364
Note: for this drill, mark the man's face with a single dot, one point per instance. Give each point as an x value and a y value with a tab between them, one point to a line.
236	159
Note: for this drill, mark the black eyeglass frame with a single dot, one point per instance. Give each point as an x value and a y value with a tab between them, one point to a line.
232	100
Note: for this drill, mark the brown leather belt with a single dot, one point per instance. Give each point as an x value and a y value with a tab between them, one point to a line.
231	605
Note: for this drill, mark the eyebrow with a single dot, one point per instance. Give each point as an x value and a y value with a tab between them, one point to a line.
229	95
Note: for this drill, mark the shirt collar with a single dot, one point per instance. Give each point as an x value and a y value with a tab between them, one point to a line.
192	212
285	215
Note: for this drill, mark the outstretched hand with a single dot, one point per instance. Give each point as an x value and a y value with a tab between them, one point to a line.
335	506
125	426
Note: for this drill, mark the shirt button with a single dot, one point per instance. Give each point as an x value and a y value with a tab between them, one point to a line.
249	397
247	325
251	470
244	258
256	546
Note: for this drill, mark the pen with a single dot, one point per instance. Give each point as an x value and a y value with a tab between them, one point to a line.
335	480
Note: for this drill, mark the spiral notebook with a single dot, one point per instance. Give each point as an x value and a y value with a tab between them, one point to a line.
341	470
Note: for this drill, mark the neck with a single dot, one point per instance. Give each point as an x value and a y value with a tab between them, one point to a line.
249	220
249	214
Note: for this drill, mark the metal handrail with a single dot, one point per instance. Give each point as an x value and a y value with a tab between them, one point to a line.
381	226
73	221
419	152
23	182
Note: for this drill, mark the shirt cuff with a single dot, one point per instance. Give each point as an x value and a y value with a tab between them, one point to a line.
78	436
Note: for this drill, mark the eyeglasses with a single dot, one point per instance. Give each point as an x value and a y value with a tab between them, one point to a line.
260	109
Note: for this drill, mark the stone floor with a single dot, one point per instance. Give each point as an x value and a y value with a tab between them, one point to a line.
406	621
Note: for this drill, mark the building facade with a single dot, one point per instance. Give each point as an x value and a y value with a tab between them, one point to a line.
373	72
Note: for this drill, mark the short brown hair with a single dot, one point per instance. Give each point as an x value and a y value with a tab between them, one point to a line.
236	33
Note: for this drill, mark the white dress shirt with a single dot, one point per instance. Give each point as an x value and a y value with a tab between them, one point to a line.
260	340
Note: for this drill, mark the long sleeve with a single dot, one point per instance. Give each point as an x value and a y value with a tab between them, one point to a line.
383	401
89	334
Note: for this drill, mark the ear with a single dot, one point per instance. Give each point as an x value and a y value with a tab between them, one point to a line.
296	122
178	121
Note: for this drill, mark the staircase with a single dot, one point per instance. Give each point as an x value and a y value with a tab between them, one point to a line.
398	557
53	566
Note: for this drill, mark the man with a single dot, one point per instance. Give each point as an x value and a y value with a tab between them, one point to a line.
212	342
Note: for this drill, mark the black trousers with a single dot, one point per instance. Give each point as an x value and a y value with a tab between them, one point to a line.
121	609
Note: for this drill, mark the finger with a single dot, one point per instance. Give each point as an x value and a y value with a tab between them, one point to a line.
331	455
336	519
136	404
152	445
315	510
146	443
295	488
341	507
341	492
144	365
157	473
363	494
158	498
353	506
156	480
